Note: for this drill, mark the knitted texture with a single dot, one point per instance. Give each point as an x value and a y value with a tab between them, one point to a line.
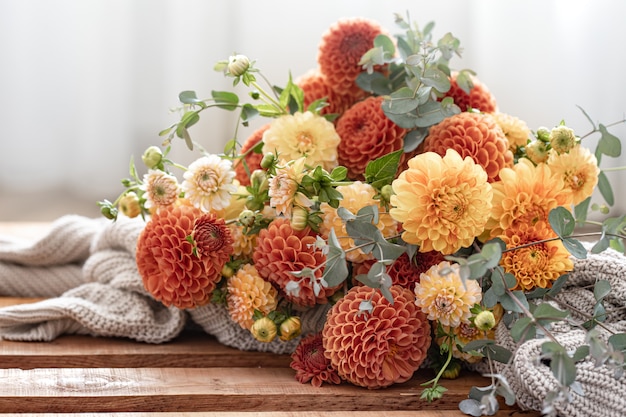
532	379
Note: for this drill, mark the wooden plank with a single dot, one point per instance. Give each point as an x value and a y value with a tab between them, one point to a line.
412	413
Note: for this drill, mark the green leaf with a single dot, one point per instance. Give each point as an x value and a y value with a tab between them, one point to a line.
601	289
248	112
414	138
580	353
386	44
225	99
523	329
546	312
382	171
557	285
375	83
498	353
402	101
562	366
386	251
618	341
362	233
575	247
604	185
581	210
434	77
561	221
189	97
508	301
609	144
336	268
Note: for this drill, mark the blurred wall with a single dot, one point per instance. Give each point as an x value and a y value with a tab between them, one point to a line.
86	84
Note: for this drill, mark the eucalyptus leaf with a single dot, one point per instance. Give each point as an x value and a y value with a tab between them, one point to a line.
561	221
386	44
609	144
414	138
508	301
225	99
581	210
558	285
402	101
546	311
601	289
471	407
188	97
618	341
575	247
436	78
362	233
523	330
604	186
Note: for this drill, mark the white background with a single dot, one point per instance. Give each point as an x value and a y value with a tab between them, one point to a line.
85	84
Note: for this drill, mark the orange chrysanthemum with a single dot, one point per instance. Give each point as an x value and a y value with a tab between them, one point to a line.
537	265
310	363
180	255
378	348
579	170
251	158
315	86
247	293
366	134
525	194
341	49
442	203
479	97
475	135
281	250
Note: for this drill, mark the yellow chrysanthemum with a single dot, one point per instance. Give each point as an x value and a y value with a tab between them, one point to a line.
579	170
515	129
442	203
303	135
247	292
463	334
283	187
442	294
537	265
525	194
355	196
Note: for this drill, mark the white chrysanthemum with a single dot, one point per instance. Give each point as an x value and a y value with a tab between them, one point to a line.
208	183
161	189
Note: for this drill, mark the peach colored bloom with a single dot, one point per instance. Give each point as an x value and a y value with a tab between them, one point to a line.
378	348
479	97
310	363
208	183
251	158
475	135
248	292
442	203
161	189
579	170
444	296
243	244
516	130
283	187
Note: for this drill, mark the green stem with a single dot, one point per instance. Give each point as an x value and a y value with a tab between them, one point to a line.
268	98
436	379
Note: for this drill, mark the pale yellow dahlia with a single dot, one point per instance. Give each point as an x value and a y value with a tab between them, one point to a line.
208	183
525	194
443	203
283	187
443	296
579	170
355	196
515	130
537	265
161	189
248	292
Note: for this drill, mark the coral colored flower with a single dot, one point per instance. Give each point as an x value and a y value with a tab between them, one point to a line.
355	196
282	250
310	363
176	269
341	49
248	292
442	203
315	86
537	265
516	130
366	134
463	334
303	135
579	170
478	98
525	194
161	189
252	159
475	135
283	187
444	296
381	347
208	183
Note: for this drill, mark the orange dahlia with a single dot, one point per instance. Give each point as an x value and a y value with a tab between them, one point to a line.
479	97
247	293
579	170
366	134
442	203
252	159
180	255
537	265
310	363
315	86
475	135
377	348
341	49
282	250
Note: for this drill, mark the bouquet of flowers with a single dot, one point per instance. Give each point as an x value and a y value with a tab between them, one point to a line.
388	193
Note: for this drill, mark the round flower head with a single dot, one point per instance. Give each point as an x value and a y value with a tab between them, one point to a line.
444	296
475	135
516	130
341	49
129	205
525	194
180	255
479	97
252	159
161	189
283	187
315	86
442	203
282	250
208	183
537	151
378	348
248	292
562	139
310	363
366	134
537	265
355	196
579	170
303	135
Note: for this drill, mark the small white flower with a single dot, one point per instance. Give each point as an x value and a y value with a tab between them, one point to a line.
208	183
161	189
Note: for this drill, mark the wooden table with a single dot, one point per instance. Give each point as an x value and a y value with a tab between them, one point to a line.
192	375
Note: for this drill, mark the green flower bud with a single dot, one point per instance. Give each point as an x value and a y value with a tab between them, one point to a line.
299	218
543	134
227	271
562	139
247	218
485	320
290	328
152	157
537	151
268	160
453	370
108	211
259	181
238	65
264	330
129	205
386	192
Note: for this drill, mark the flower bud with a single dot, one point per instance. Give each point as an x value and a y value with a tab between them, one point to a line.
268	160
247	218
562	139
543	134
453	370
537	151
108	211
152	157
299	218
129	205
227	271
290	328
264	330
238	65
485	320
386	192
258	179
